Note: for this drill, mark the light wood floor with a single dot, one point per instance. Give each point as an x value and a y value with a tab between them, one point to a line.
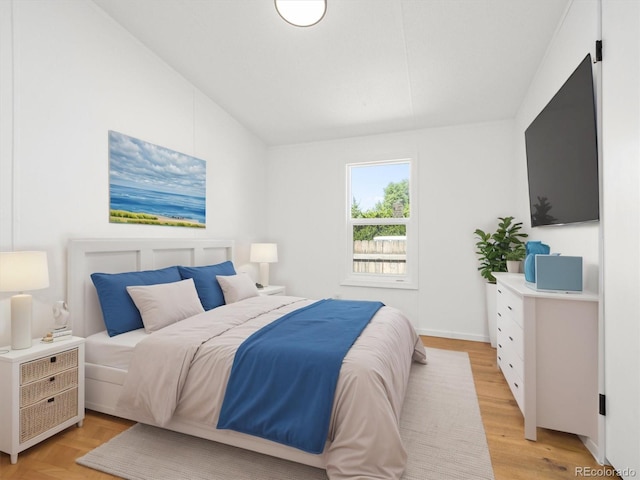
554	456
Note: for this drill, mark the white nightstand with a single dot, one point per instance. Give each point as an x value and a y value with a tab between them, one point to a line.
41	392
272	290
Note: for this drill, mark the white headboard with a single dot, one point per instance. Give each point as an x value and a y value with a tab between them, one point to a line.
117	255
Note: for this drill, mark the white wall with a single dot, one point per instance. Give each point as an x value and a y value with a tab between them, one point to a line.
574	38
77	74
465	182
6	120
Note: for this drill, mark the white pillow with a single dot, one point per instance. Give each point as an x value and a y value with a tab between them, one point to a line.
165	303
237	287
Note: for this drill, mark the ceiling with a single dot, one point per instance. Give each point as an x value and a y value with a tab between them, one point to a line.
369	67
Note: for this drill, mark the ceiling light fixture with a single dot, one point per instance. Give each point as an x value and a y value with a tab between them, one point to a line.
301	13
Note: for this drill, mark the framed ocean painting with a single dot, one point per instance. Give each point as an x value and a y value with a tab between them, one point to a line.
149	184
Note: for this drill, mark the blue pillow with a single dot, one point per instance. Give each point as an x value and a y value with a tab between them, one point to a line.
208	288
119	312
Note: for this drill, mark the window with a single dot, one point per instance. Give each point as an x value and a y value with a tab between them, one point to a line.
381	224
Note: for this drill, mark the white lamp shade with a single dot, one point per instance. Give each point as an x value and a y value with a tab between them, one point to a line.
301	13
264	253
22	271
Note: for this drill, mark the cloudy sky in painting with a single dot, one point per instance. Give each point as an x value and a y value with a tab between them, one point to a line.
140	164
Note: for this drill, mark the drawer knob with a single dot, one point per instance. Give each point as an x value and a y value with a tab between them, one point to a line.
52	379
499	291
511	365
516	385
53	359
51	400
509	307
500	346
499	329
510	338
499	314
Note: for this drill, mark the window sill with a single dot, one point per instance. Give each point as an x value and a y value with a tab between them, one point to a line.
398	284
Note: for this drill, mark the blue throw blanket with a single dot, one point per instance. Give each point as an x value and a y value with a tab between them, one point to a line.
284	376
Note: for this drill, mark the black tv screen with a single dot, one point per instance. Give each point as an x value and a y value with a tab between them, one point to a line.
562	155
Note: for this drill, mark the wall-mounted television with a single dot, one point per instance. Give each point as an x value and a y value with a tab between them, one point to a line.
562	154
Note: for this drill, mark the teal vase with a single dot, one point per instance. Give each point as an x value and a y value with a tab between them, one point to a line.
533	248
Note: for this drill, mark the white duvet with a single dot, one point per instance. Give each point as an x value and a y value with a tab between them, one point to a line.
183	369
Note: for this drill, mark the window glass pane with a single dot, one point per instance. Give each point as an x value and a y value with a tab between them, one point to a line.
380	191
380	249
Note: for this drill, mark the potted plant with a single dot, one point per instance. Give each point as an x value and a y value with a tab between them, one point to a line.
515	257
492	250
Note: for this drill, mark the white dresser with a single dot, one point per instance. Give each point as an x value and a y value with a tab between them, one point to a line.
547	348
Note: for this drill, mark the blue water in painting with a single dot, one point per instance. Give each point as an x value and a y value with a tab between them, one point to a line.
155	202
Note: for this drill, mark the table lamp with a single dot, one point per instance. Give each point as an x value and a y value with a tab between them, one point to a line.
19	272
264	254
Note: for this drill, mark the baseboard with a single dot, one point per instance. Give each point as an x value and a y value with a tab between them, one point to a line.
454	335
593	449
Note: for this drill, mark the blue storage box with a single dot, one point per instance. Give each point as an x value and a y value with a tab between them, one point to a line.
558	273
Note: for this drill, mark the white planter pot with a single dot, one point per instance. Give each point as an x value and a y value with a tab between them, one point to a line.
492	312
513	266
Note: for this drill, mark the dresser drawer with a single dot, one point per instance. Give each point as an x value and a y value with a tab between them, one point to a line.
41	416
509	360
48	366
516	385
47	387
514	337
509	332
509	305
502	327
517	365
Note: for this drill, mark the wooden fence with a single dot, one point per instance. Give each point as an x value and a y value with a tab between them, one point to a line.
380	256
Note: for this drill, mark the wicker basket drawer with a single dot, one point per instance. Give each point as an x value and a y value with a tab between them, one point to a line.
47	366
47	387
48	413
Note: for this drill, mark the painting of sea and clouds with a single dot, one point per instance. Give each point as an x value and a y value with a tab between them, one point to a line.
153	185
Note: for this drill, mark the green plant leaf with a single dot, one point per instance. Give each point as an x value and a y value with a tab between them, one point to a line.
493	249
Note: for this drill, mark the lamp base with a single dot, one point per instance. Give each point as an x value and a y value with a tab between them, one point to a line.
20	321
264	274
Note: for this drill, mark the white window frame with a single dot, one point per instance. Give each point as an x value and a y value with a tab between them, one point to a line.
408	280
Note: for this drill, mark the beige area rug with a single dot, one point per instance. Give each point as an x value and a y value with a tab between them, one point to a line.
440	425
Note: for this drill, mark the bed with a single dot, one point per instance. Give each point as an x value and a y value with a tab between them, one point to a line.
169	389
